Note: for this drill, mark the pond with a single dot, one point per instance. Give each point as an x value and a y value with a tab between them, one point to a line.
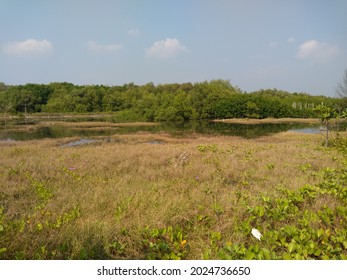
38	129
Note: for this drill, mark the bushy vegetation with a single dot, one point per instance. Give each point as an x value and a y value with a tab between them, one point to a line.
166	102
185	198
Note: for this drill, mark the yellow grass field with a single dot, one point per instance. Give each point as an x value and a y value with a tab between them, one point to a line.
154	196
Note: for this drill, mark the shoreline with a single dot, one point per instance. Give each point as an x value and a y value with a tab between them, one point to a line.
268	120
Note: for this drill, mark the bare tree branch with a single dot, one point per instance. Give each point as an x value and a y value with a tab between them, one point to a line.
341	89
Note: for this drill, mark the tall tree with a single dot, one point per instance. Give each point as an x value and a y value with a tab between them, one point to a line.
341	88
2	86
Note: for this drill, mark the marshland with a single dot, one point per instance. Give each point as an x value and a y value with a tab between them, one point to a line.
173	130
171	172
146	195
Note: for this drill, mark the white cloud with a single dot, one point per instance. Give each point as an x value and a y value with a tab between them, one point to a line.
28	47
316	50
95	47
166	48
291	40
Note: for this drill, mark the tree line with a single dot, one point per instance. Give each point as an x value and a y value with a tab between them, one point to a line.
163	102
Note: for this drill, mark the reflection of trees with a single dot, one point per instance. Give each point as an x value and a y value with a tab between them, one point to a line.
176	129
242	130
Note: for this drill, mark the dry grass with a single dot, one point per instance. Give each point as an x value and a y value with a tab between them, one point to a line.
78	125
270	120
136	181
100	124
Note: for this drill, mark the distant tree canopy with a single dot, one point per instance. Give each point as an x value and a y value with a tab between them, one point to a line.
163	102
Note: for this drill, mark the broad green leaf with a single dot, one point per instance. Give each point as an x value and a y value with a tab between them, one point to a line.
287	256
266	253
291	246
249	255
318	252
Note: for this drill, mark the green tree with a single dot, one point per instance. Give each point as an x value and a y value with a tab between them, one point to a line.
147	106
3	87
325	115
5	105
60	101
252	110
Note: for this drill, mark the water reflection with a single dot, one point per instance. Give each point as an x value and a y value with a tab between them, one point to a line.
176	129
242	130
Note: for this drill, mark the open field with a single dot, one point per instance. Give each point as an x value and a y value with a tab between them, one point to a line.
144	196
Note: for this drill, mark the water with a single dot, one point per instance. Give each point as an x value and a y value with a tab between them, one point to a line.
21	132
308	130
79	142
49	132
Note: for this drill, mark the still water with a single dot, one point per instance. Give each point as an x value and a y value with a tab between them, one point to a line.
10	133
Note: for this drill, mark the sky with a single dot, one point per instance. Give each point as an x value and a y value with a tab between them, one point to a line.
292	45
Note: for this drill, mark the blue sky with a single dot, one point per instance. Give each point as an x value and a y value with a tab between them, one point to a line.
294	45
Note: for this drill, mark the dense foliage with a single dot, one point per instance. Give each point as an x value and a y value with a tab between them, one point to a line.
171	102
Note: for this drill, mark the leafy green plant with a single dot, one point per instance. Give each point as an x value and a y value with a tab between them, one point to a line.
72	173
116	249
42	192
218	209
121	208
204	148
164	243
2	229
66	217
270	166
304	167
292	229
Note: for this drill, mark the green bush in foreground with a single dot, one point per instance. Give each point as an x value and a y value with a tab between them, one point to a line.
309	223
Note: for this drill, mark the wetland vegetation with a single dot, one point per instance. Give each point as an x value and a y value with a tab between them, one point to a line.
152	177
157	196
